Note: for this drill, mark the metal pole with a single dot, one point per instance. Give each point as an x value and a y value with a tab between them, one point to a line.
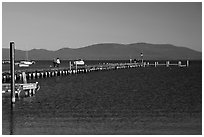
141	58
187	63
12	58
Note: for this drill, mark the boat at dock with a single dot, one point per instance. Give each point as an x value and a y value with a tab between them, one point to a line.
5	61
79	62
25	63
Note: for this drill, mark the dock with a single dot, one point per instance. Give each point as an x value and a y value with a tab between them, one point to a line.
21	90
60	71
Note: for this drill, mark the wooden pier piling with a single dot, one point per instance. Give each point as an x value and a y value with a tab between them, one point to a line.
38	75
34	74
42	74
4	78
70	65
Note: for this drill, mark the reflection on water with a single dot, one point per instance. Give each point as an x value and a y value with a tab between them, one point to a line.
12	116
129	101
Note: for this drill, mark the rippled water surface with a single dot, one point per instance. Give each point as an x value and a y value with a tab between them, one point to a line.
128	101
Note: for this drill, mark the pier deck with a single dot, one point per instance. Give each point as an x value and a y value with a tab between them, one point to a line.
28	89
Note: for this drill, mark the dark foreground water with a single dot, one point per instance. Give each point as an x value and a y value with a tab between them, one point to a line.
129	101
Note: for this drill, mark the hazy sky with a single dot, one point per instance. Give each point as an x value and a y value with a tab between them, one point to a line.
56	25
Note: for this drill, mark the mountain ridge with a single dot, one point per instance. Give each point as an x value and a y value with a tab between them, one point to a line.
110	51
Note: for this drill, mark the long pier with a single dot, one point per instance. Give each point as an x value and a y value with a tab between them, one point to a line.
52	72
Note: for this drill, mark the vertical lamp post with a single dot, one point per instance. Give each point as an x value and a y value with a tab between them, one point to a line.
141	55
187	63
76	67
12	58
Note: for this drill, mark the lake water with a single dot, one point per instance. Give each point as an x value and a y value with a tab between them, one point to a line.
146	101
